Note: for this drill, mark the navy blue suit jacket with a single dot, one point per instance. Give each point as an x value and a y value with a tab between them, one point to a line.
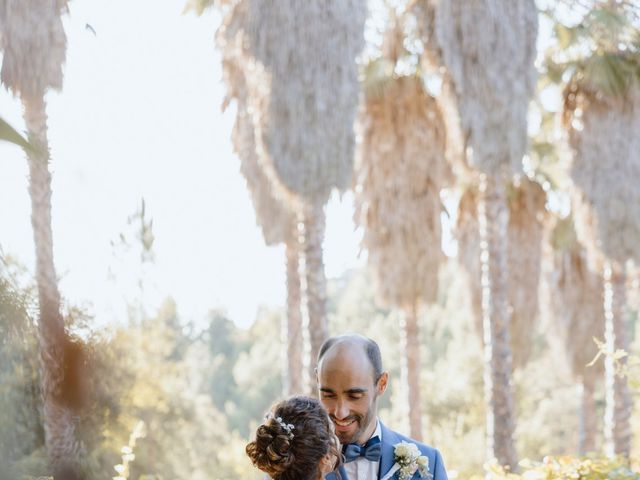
389	440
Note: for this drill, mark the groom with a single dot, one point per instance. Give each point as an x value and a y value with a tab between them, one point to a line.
350	380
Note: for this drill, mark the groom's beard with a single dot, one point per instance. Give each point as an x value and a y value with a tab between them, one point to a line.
362	422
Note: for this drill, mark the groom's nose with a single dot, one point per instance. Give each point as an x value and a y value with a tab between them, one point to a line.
341	410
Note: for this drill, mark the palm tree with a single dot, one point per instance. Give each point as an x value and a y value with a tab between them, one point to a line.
526	200
277	221
601	115
34	49
573	302
302	89
611	228
527	213
400	170
487	49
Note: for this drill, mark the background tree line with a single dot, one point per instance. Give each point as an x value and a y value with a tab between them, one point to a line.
200	389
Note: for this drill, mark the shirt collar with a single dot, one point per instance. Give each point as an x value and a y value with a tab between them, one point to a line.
378	431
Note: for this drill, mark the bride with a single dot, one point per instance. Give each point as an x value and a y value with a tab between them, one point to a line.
296	441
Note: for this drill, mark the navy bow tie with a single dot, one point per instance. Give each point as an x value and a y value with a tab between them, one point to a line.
370	450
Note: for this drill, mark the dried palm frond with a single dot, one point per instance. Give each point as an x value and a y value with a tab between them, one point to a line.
572	300
605	168
274	216
423	12
467	233
400	169
527	212
34	46
248	84
488	48
299	61
275	219
525	231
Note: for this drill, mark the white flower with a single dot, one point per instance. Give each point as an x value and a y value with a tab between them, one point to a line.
406	451
408	461
423	466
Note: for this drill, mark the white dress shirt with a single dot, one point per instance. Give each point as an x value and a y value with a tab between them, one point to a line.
361	468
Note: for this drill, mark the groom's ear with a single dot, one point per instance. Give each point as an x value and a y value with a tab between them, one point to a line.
381	386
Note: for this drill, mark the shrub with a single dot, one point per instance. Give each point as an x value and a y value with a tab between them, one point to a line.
567	467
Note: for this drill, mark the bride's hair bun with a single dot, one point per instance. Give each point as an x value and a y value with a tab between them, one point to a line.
293	439
271	451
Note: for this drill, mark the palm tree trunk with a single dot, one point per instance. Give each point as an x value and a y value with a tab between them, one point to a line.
293	371
411	346
587	434
316	284
617	428
493	216
59	421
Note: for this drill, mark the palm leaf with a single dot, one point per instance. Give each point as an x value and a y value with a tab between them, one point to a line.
10	134
610	20
377	77
198	6
611	73
566	36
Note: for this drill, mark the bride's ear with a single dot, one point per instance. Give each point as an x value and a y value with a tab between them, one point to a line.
327	464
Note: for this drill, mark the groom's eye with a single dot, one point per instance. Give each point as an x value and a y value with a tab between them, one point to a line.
356	396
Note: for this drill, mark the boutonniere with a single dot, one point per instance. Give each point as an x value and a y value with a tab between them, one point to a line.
408	461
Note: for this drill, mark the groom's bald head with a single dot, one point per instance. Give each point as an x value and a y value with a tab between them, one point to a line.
350	380
354	344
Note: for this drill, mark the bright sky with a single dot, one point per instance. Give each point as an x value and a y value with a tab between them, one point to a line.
139	116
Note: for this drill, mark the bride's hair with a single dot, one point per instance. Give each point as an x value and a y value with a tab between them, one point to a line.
295	436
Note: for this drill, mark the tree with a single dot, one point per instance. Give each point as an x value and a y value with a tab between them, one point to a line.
21	431
601	114
302	90
34	49
400	170
488	50
572	299
526	200
275	217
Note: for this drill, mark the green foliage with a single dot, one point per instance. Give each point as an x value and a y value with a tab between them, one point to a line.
199	6
159	368
21	432
624	364
377	75
200	389
600	54
564	467
141	227
11	135
224	343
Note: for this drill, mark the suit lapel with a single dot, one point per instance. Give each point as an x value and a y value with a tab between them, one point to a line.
389	439
333	476
343	473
